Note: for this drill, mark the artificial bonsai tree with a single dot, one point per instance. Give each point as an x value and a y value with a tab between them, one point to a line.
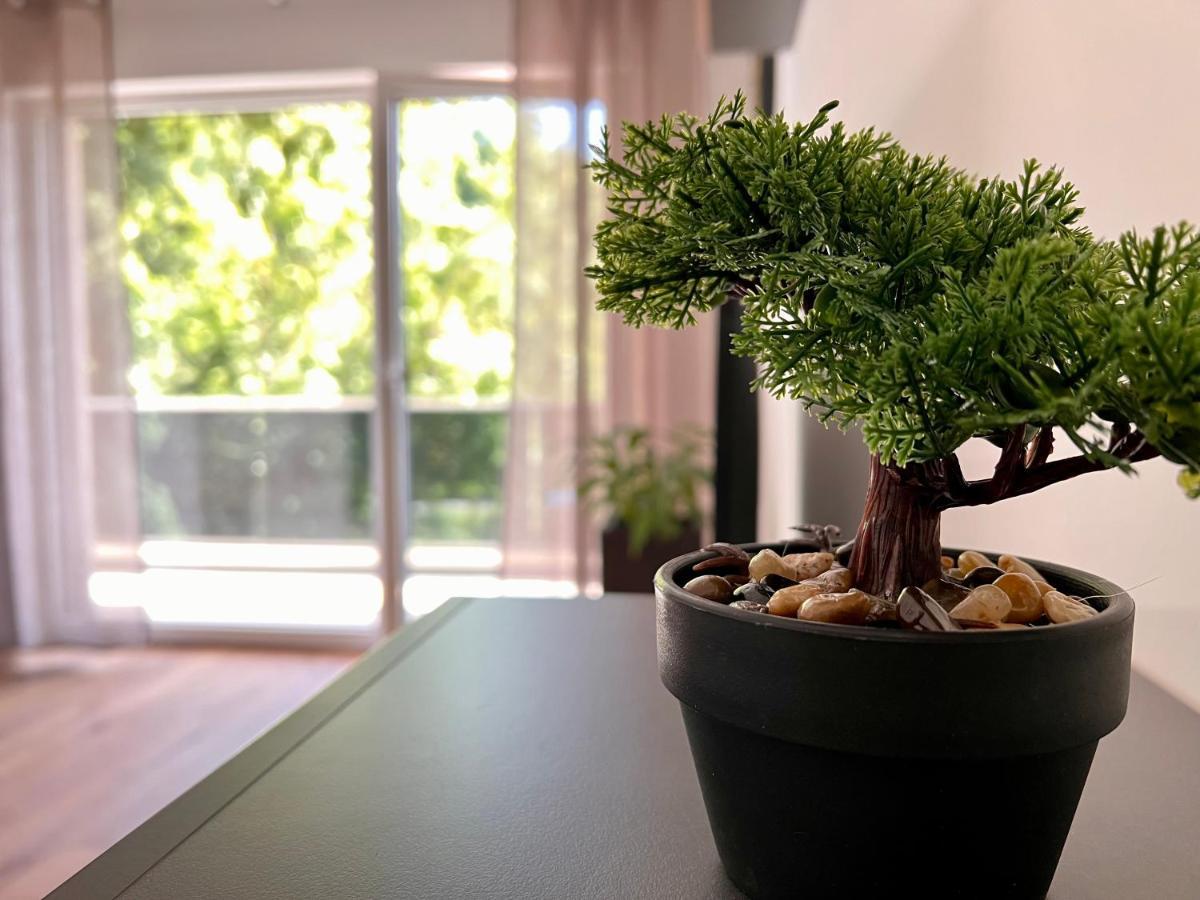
926	305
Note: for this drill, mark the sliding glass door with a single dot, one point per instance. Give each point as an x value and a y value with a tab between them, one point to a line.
455	240
321	308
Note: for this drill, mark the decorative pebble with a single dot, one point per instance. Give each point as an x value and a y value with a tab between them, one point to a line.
788	601
837	580
972	559
947	593
1026	599
725	549
972	593
749	606
985	603
710	587
920	612
982	575
848	608
778	582
754	592
1063	609
1010	563
883	613
767	562
809	565
736	563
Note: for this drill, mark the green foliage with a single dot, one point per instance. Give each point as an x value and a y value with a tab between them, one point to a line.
897	292
456	189
249	249
236	286
654	493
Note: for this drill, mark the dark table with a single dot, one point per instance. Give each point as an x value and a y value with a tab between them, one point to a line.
525	748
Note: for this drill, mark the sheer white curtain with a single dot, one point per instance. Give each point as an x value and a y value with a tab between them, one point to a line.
67	440
580	64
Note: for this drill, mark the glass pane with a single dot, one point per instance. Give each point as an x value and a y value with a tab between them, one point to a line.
248	266
256	473
456	200
457	470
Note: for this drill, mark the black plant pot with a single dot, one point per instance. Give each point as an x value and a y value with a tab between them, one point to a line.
625	572
848	762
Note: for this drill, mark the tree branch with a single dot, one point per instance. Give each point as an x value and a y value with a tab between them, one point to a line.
1132	448
1011	463
955	483
1040	448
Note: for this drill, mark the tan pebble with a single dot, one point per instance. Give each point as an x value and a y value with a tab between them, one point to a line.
787	602
955	572
972	559
848	608
1010	563
985	603
809	565
1026	598
1043	587
882	610
1010	626
1063	609
710	587
836	580
947	562
768	562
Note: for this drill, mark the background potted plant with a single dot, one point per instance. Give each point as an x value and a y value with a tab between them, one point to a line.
650	498
942	754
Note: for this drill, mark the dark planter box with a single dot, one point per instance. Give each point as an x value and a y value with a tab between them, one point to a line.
623	573
848	762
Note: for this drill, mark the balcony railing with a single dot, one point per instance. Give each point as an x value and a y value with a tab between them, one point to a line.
294	469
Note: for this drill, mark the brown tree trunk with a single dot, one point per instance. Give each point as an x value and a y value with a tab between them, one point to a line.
899	538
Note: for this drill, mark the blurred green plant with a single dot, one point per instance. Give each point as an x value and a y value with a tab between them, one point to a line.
653	492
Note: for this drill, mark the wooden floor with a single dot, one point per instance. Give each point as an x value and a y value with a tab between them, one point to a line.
93	741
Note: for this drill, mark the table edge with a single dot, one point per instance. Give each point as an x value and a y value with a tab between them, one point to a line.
118	867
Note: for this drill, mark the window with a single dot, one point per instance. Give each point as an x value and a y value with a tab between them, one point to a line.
249	266
250	259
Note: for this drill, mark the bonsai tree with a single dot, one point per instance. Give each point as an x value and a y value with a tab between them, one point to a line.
929	306
655	495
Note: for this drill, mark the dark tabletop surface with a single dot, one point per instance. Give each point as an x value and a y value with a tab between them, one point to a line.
525	748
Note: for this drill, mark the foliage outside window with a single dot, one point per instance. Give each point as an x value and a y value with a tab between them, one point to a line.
249	262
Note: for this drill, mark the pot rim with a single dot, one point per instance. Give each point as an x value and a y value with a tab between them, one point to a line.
1117	606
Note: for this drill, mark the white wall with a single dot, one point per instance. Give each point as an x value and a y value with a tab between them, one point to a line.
1106	89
